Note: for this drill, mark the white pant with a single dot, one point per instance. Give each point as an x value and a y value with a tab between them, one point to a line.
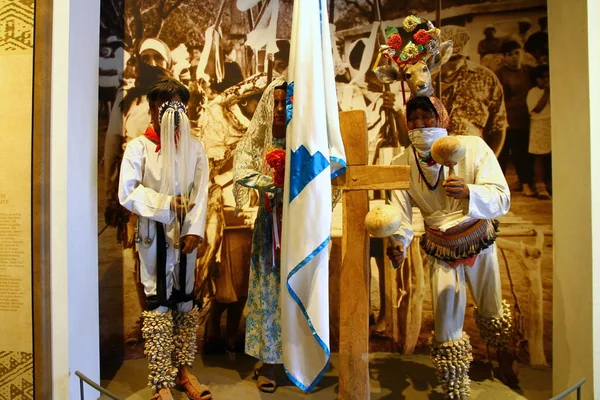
148	277
449	296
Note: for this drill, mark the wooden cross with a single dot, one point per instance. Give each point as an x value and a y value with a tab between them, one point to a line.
354	277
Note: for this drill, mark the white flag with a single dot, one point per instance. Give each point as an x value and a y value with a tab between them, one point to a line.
315	154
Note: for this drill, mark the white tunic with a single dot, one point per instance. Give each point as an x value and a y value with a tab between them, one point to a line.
139	187
489	198
489	193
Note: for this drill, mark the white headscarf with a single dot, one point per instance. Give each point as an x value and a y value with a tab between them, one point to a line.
159	46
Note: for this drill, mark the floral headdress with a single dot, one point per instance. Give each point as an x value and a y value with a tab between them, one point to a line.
417	38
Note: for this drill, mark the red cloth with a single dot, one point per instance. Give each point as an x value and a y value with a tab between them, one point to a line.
153	137
469	262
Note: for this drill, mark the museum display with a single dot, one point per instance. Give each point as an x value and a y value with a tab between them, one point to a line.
163	180
232	56
458	212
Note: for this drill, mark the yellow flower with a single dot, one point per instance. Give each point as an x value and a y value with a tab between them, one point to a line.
410	23
410	50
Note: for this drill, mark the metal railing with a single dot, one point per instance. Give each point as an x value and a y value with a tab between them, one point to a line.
575	387
83	378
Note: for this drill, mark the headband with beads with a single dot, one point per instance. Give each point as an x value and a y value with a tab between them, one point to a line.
173	105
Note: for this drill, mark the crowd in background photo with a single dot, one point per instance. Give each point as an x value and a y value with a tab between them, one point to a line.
495	85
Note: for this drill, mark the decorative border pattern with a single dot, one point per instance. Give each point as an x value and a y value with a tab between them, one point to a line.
16	375
16	26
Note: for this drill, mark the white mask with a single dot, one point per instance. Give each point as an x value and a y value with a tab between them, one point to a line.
422	139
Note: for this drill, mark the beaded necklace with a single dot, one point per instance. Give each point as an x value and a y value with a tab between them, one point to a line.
437	182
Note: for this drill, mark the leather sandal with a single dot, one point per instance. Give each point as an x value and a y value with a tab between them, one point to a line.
265	384
194	389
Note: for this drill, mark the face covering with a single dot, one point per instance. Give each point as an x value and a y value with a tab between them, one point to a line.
422	139
148	75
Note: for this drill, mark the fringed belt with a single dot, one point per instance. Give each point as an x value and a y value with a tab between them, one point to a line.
461	247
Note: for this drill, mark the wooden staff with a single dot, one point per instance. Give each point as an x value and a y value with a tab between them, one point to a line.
269	70
390	119
220	14
438	23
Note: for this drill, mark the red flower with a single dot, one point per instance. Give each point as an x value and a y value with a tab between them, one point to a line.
276	160
422	37
395	41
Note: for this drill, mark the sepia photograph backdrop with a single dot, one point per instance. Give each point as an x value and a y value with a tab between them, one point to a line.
226	52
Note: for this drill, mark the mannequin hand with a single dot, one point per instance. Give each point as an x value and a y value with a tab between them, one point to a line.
189	243
178	206
396	255
456	188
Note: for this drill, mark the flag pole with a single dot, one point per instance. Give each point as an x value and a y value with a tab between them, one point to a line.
438	23
315	155
269	69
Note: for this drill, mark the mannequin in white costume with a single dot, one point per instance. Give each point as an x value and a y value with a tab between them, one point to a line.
459	239
164	180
